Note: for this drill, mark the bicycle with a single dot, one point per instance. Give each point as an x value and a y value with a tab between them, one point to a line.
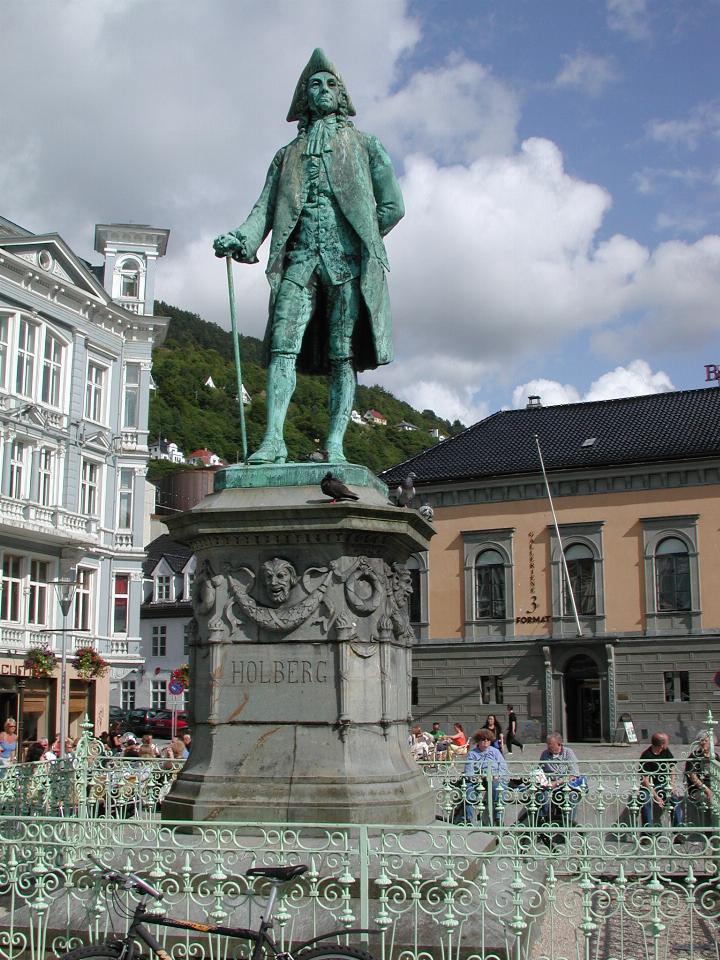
264	943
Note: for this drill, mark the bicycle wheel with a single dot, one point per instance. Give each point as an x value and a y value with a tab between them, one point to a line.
335	953
98	951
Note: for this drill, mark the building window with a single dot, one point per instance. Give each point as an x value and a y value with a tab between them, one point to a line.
82	619
89	500
189	583
4	341
45	476
131	404
125	498
130	279
677	685
418	608
120	603
159	641
127	695
52	371
17	470
581	572
414	692
25	371
581	544
491	689
11	588
37	592
672	575
159	694
94	389
163	588
489	586
489	601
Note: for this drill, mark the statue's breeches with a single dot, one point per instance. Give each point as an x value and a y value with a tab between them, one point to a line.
295	305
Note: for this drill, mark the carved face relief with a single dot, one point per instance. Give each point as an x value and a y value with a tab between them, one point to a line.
323	91
401	584
280	577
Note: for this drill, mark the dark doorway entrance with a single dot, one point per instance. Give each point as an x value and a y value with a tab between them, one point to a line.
582	699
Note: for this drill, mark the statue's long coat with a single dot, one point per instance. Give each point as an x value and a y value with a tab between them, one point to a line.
366	189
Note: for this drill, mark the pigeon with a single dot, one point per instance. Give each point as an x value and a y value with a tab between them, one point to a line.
426	512
336	489
406	491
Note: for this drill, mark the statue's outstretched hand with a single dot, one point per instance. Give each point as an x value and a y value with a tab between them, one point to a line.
231	245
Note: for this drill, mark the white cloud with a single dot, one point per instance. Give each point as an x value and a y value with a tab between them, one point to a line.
629	17
702	123
633	380
586	72
454	114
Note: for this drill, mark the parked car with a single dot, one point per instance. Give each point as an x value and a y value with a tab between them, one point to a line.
120	716
161	724
139	720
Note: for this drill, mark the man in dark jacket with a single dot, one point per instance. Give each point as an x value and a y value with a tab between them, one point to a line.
329	198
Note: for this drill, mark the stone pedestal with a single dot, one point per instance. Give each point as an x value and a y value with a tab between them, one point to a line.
301	652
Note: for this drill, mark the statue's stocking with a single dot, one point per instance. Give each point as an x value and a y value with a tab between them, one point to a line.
280	388
342	394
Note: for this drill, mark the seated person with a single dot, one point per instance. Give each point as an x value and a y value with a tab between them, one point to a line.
560	796
457	744
421	744
698	778
484	780
657	785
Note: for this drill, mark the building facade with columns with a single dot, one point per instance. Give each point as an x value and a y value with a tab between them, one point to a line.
75	362
636	488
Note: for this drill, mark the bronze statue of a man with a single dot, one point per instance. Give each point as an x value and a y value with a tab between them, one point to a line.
329	198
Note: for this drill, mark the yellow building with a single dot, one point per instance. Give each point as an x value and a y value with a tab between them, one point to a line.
635	484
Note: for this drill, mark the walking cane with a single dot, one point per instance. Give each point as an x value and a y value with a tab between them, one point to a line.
236	347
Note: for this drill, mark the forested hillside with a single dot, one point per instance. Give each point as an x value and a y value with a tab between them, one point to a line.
183	409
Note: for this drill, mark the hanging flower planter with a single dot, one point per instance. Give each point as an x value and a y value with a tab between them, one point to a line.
41	660
89	664
182	675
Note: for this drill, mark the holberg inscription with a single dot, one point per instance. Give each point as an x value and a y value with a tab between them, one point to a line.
279	671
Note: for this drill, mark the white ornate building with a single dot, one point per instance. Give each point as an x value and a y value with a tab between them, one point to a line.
75	360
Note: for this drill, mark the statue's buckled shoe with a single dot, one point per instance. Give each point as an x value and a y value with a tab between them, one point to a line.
335	453
270	451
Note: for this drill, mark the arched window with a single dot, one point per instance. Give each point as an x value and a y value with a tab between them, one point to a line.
130	279
581	569
490	586
672	574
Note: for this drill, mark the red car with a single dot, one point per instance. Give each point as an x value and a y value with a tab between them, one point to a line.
161	724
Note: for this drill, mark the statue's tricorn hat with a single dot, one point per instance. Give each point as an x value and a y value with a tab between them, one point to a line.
317	63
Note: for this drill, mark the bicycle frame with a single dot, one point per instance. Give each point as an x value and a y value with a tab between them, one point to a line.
260	937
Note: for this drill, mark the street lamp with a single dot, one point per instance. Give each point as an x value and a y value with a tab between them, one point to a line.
65	590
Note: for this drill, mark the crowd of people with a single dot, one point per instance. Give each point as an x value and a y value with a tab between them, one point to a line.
115	741
553	788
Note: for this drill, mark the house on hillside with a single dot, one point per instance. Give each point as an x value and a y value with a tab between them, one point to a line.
206	458
436	434
210	384
76	347
163	449
357	418
636	489
375	418
407	427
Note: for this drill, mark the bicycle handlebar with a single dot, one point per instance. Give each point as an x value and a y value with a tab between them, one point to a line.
130	881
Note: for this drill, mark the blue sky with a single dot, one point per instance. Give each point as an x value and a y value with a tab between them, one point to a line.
559	161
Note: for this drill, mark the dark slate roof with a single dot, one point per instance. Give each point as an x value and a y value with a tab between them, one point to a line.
176	554
658	427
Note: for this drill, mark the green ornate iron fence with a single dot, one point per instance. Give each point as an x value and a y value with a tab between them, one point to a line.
533	876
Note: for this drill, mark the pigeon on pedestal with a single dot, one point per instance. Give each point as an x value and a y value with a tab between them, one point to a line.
336	489
406	491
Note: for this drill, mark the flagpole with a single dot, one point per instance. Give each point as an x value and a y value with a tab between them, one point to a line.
236	347
557	533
